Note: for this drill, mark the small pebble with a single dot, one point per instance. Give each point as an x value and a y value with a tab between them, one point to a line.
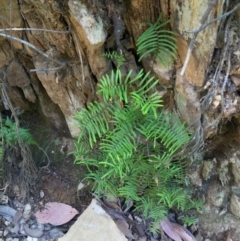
80	186
27	211
5	233
12	239
32	239
6	223
41	194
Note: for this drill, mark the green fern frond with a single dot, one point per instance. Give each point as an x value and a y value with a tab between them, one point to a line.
112	86
129	192
9	133
26	135
115	56
166	174
159	42
125	118
173	197
119	143
93	121
115	86
147	206
101	186
115	167
149	209
143	99
146	83
189	221
195	204
82	149
167	130
146	104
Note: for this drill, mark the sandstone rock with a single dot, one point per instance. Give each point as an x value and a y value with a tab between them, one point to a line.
194	175
164	74
5	54
236	171
187	100
185	18
216	195
235	205
16	76
29	93
94	224
90	31
17	99
14	21
208	168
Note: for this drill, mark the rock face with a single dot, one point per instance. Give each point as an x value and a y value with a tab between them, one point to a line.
63	65
186	18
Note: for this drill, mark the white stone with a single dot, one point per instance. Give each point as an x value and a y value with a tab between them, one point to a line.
92	27
94	224
41	194
27	211
73	125
32	239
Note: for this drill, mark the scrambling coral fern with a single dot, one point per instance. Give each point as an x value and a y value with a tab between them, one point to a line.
127	142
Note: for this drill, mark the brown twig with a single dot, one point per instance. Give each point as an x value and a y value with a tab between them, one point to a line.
217	74
28	168
35	29
75	39
33	47
199	29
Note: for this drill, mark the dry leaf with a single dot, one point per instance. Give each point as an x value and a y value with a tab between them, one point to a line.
183	232
199	237
145	239
235	80
229	237
176	231
169	230
123	227
113	205
56	213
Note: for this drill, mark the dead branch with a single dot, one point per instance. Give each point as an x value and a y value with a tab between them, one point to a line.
28	168
4	189
44	167
199	29
33	47
79	53
224	84
35	29
225	55
46	69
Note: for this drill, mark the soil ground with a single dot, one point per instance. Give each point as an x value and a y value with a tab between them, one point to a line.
58	176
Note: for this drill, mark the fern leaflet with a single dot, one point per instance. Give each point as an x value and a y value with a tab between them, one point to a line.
159	42
115	56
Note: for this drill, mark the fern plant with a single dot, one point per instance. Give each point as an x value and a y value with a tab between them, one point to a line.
119	58
189	220
9	137
8	133
159	42
127	146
